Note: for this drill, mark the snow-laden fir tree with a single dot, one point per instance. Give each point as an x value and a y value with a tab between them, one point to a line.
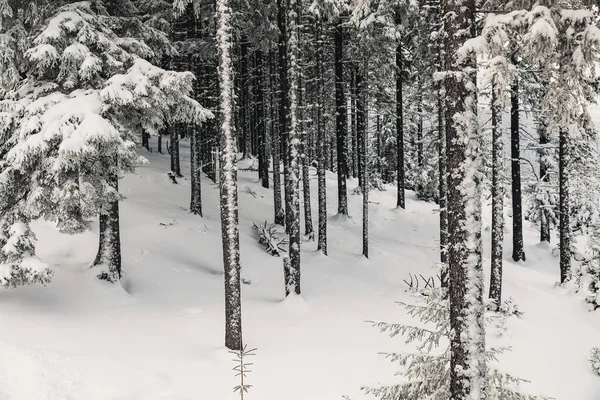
426	372
72	123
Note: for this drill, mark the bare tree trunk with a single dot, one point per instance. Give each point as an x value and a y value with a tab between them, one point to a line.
545	178
565	228
468	369
276	149
263	159
401	201
341	118
361	135
518	251
497	201
321	144
228	182
109	246
195	172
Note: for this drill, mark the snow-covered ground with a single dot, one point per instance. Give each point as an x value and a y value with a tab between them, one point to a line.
160	335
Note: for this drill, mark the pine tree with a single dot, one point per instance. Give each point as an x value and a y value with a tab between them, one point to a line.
228	181
467	347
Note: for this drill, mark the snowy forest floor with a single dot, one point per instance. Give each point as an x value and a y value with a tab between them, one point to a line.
160	335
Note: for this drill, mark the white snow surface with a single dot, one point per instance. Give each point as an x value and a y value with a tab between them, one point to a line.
160	335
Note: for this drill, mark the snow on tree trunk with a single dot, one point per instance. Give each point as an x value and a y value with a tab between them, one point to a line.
401	201
517	212
108	257
442	178
467	345
497	201
228	181
293	144
321	144
544	177
564	212
276	149
361	133
341	119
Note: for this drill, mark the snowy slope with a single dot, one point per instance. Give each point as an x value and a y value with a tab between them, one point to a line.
160	335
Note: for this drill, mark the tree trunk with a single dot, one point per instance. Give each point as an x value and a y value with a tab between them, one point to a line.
284	92
353	125
145	139
518	251
276	149
159	146
361	135
467	344
244	97
442	188
228	182
293	142
308	225
263	159
565	228
109	246
341	119
401	201
544	177
195	172
497	201
321	144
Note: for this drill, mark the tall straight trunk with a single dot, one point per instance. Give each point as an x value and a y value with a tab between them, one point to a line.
321	143
228	182
145	139
308	225
109	243
159	145
275	148
174	132
442	188
244	98
361	136
515	154
401	201
497	201
284	93
467	345
341	119
195	172
261	127
294	140
353	126
564	219
544	177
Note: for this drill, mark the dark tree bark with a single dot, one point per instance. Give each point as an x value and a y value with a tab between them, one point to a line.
467	344
263	159
195	172
284	86
361	134
145	139
276	149
321	143
159	145
544	177
564	219
341	119
244	98
228	182
354	163
174	149
515	154
497	202
401	201
292	183
308	225
442	188
109	244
